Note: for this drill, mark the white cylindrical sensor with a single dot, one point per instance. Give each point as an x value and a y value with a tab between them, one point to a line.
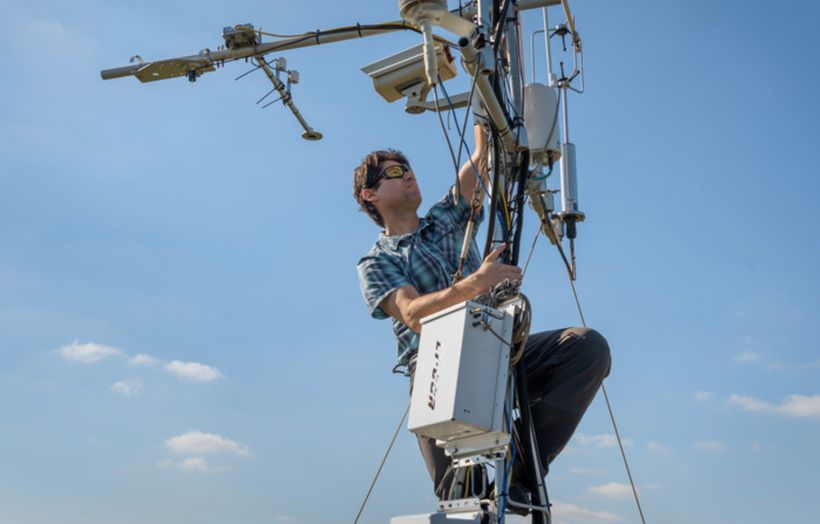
541	121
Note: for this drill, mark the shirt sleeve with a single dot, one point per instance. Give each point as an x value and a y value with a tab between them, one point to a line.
380	275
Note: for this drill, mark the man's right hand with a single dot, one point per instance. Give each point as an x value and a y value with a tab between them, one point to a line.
491	272
406	305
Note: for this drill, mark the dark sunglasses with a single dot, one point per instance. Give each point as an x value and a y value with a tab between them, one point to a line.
394	171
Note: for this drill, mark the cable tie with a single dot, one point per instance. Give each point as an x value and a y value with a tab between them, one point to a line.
359	29
317	37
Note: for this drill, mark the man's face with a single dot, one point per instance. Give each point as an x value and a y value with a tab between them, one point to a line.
397	193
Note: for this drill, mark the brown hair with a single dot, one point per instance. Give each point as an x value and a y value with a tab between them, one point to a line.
366	176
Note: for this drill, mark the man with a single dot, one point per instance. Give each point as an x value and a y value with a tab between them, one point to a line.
407	276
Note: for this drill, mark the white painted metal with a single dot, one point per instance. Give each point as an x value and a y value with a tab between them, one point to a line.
540	109
393	75
457	518
461	374
439	518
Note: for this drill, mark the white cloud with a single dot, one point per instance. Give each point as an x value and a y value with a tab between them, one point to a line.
709	445
704	396
796	406
656	447
193	371
613	490
584	471
127	388
144	360
564	513
197	442
746	356
197	464
810	365
606	440
88	353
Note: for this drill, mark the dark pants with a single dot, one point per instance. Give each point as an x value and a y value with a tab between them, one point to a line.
564	367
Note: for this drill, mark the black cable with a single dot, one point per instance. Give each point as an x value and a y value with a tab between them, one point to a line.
488	246
463	143
530	446
449	144
318	34
522	183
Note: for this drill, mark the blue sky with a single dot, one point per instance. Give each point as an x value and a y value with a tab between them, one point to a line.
181	222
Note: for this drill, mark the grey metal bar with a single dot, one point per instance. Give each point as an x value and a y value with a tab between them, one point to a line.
308	40
524	5
485	89
309	133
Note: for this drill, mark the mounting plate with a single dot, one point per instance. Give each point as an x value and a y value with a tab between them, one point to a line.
173	68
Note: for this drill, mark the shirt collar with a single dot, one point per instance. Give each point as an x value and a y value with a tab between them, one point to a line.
397	241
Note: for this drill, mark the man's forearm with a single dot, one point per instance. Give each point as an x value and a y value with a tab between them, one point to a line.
425	305
470	171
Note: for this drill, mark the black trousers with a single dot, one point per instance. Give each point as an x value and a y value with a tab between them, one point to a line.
565	368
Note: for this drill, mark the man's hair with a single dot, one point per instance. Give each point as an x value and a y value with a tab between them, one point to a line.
366	176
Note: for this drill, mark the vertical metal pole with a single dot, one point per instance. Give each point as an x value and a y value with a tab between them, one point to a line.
513	48
501	465
550	74
565	167
484	7
530	453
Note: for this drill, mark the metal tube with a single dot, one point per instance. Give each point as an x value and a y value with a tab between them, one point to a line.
430	62
309	133
513	55
570	19
550	74
530	452
565	184
119	72
532	53
566	116
494	109
484	7
524	5
262	49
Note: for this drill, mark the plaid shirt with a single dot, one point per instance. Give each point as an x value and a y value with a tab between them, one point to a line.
425	259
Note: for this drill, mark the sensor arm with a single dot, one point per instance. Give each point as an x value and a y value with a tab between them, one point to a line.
280	87
208	59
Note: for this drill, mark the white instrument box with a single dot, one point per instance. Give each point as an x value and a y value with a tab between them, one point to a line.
461	373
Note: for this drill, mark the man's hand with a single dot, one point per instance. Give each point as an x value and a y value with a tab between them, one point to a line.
491	272
408	307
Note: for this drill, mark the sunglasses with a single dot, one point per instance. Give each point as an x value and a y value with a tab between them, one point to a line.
394	171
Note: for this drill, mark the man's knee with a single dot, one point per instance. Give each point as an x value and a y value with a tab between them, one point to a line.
594	350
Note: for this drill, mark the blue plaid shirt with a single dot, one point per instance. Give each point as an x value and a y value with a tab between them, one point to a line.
426	259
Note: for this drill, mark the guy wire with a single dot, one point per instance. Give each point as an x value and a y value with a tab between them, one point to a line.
529	256
384	459
606	397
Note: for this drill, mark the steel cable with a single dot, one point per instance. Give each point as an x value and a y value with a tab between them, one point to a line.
384	459
606	399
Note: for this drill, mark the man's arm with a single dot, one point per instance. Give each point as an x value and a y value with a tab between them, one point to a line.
467	180
408	307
